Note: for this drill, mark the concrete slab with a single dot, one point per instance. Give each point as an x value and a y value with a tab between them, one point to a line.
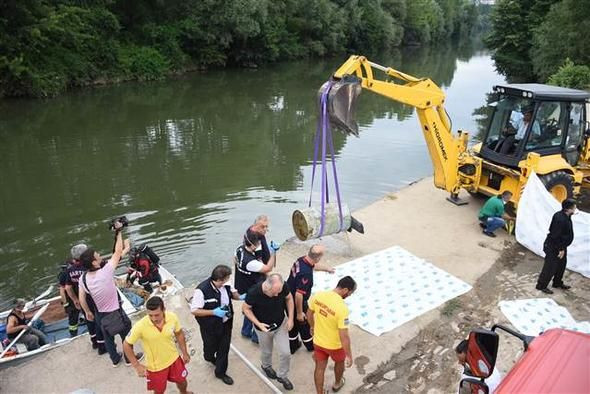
418	218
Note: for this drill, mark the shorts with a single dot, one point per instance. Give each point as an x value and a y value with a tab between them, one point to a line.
176	373
322	354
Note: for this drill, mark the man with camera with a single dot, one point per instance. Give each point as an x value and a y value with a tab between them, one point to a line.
99	283
213	310
265	306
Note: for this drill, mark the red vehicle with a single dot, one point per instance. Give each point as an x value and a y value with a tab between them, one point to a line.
557	361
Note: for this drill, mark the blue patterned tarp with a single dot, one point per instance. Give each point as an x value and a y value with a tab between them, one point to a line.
394	287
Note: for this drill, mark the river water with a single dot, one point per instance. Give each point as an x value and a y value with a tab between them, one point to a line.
193	161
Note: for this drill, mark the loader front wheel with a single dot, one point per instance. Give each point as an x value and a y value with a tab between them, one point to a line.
559	184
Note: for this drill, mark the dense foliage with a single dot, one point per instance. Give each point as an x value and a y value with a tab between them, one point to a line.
533	38
47	46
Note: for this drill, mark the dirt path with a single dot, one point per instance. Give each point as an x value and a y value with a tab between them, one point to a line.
428	363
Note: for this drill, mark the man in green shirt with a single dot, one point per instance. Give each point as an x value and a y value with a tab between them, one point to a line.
492	215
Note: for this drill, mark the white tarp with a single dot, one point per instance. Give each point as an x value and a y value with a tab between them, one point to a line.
394	287
535	315
535	210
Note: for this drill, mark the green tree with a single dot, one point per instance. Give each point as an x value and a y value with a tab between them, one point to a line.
561	35
570	75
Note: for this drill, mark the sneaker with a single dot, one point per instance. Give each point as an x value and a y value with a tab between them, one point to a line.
269	372
286	383
489	234
562	286
118	361
546	291
139	356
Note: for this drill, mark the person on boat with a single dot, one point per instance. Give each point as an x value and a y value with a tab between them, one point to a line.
213	310
100	285
144	267
69	279
250	270
17	322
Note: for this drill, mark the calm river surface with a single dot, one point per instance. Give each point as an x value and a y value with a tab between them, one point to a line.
193	161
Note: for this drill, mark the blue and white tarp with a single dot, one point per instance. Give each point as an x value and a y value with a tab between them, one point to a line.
394	287
535	315
535	210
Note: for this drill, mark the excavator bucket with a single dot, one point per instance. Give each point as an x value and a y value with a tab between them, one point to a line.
342	103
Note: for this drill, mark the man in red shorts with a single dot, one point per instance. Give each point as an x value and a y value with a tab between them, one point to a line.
327	315
157	332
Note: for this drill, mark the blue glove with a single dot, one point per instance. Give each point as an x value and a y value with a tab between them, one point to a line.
243	296
219	312
275	246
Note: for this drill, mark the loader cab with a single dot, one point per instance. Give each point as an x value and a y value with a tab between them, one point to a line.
526	118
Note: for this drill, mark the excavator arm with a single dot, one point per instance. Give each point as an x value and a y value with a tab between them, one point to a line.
454	167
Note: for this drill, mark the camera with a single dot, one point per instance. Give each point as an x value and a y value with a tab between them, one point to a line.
273	326
228	312
123	220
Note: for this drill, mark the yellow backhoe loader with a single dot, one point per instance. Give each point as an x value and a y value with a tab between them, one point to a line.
533	127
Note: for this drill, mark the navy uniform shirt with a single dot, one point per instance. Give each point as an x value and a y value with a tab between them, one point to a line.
301	279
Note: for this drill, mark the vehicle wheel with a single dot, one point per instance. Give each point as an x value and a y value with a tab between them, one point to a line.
559	184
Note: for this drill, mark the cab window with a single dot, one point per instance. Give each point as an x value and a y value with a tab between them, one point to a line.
574	133
548	127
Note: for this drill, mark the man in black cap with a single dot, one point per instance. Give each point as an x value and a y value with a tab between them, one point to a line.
561	235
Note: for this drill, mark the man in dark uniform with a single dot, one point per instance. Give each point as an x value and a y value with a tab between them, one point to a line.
212	307
300	283
561	235
249	272
69	279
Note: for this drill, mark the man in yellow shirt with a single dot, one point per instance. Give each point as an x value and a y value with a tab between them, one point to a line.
157	332
328	318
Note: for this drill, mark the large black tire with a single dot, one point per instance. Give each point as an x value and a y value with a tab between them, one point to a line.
560	184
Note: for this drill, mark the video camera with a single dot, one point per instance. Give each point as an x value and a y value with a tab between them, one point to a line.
123	220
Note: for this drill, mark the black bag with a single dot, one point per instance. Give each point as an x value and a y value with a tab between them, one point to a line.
115	322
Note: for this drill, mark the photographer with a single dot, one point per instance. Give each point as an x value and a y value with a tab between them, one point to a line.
100	285
213	310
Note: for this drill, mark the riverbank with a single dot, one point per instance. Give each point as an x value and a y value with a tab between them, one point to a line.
416	356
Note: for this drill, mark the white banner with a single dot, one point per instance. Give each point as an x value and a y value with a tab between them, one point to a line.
535	210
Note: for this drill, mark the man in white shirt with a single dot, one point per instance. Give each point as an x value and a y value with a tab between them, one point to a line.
523	123
212	307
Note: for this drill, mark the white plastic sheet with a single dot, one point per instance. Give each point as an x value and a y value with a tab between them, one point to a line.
535	315
394	287
535	210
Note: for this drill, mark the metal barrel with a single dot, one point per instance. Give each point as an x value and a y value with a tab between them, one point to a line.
307	221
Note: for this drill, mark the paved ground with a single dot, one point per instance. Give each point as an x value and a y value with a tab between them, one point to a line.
415	357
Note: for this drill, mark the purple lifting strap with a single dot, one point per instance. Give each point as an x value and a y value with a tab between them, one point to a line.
323	133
